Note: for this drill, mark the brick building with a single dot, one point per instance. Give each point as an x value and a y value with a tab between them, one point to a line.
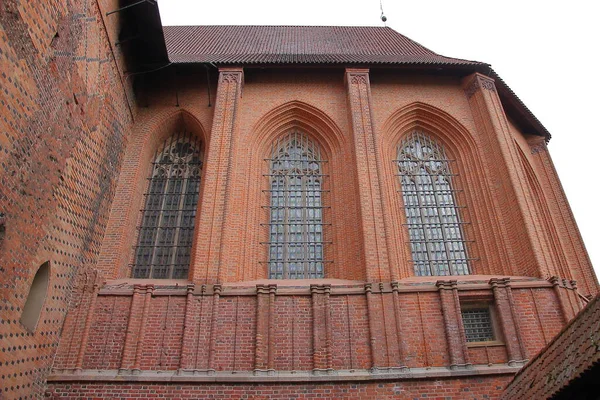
268	212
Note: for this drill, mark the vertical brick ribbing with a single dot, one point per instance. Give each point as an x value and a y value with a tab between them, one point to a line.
88	322
142	332
207	254
371	206
377	352
321	327
500	289
509	180
262	329
213	327
271	329
133	326
399	325
453	326
187	347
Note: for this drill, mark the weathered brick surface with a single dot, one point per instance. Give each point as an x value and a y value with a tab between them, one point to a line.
73	173
64	123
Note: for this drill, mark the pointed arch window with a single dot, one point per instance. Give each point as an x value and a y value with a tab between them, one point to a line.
167	223
434	226
296	245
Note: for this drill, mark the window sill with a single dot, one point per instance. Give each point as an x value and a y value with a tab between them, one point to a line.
491	343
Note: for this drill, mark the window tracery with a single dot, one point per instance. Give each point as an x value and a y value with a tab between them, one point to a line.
296	243
167	223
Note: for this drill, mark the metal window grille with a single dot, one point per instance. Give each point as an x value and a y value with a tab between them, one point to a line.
434	226
296	245
167	225
478	325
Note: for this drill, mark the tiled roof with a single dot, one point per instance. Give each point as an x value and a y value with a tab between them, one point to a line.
298	45
569	356
321	45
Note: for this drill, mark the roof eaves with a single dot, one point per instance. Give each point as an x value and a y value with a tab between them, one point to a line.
509	95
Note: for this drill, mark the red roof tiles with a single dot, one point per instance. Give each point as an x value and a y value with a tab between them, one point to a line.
298	45
567	357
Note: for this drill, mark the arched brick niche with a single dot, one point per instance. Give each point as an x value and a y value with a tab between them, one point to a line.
247	253
36	297
484	229
149	136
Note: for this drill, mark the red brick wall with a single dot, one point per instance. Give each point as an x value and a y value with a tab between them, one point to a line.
68	148
64	122
463	389
224	334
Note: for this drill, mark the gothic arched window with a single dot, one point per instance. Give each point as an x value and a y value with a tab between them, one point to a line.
167	224
434	226
296	210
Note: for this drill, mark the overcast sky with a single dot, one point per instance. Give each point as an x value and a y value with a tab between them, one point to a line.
545	51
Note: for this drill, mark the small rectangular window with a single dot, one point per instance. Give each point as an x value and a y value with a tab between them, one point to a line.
478	324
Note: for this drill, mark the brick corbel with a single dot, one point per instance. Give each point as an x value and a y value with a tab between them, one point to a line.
455	332
506	311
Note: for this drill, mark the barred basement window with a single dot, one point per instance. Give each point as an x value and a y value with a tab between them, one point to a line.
296	245
478	324
434	226
167	226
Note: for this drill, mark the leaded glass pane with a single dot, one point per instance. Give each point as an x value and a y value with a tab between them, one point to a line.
167	226
296	214
434	226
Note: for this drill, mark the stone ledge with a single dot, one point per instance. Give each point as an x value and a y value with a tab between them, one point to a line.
125	376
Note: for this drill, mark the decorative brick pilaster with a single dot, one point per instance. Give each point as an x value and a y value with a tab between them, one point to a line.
376	328
321	327
187	347
507	315
140	343
399	325
265	326
455	332
565	311
507	179
214	319
93	294
207	254
133	328
369	185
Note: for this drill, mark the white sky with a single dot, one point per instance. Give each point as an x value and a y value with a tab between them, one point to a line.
545	51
